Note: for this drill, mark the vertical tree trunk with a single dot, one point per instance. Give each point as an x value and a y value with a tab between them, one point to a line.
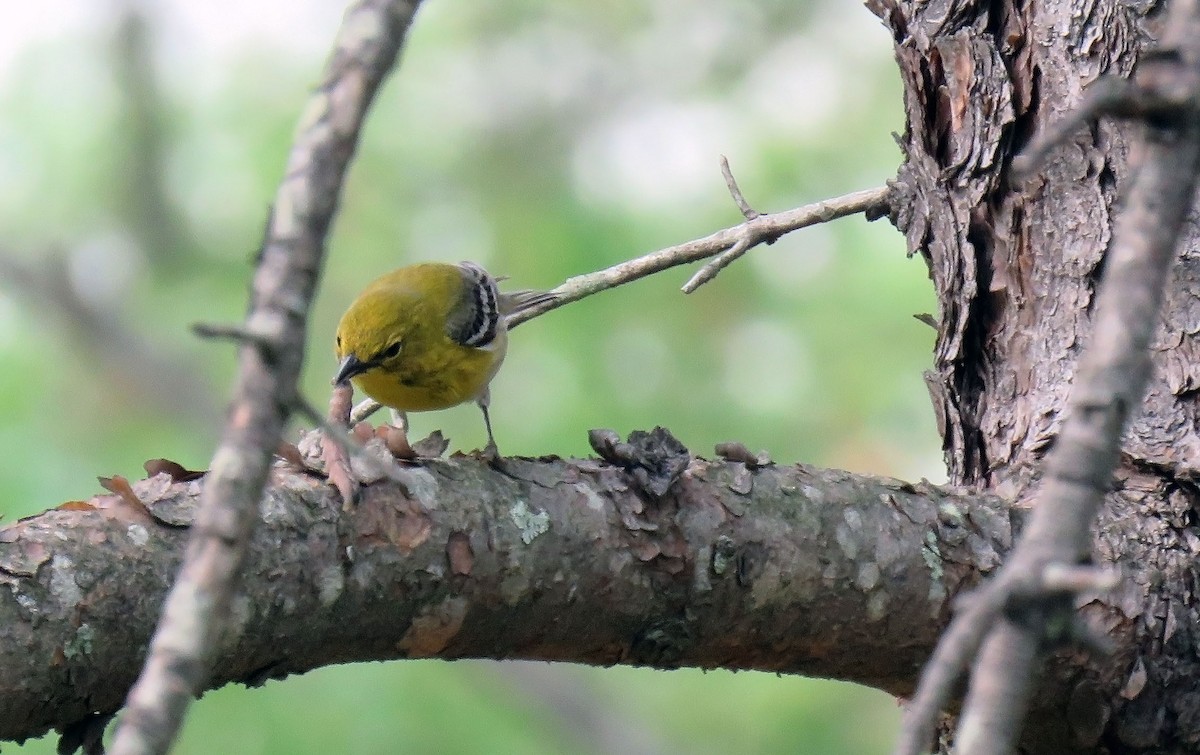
1015	268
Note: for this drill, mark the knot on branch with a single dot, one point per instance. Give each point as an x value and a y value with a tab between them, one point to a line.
654	459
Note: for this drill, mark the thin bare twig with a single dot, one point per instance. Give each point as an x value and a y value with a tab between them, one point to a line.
1099	99
198	605
1111	379
743	245
720	262
953	653
1151	99
735	191
742	236
238	333
363	410
1071	578
760	228
963	638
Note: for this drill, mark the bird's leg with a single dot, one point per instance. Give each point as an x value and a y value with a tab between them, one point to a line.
399	420
396	436
490	451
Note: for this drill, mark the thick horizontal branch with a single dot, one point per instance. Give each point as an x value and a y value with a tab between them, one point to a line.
780	568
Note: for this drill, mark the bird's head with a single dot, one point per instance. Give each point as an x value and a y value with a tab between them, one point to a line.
371	335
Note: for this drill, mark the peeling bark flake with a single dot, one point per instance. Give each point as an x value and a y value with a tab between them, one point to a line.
20	558
404	524
434	628
459	554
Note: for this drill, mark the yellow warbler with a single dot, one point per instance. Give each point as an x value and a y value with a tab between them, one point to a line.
428	336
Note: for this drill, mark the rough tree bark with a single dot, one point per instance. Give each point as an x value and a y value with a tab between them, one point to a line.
1015	269
662	559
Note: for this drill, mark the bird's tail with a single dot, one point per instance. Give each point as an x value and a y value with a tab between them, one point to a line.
513	302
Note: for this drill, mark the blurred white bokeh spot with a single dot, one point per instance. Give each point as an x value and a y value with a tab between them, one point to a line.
636	362
795	260
536	385
207	178
448	229
766	367
796	88
657	156
103	268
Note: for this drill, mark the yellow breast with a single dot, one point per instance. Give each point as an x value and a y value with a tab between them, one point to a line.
436	378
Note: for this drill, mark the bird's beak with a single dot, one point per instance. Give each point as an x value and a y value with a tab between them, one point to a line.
350	367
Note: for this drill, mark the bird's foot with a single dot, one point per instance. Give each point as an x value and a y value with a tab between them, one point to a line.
396	440
397	443
491	453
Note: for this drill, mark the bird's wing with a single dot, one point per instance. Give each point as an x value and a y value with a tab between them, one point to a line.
475	317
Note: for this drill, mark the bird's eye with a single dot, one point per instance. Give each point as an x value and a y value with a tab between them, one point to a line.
391	351
339	342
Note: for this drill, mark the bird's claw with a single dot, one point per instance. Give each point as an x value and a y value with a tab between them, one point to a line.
491	453
396	440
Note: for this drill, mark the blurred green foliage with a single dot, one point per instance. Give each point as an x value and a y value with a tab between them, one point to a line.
544	140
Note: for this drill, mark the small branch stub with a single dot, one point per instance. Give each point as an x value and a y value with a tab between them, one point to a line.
735	191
